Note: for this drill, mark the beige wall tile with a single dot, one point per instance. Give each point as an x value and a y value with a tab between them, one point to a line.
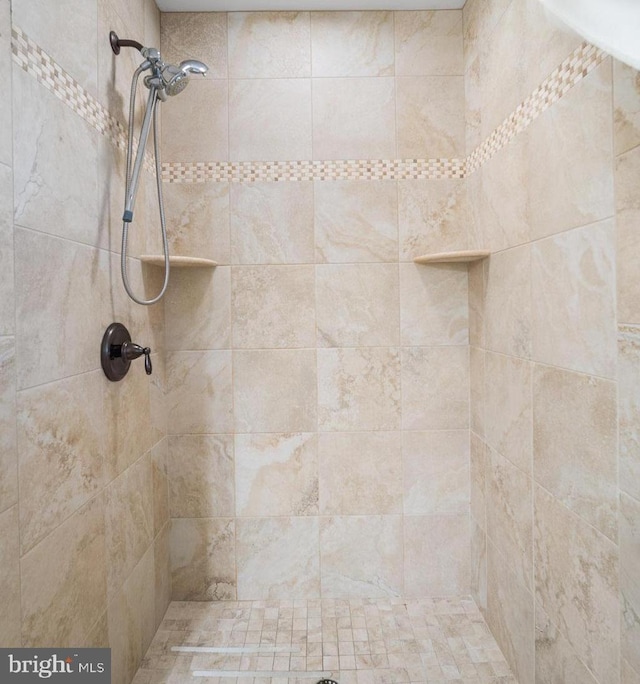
478	571
272	223
476	303
151	16
473	105
508	410
62	593
479	464
434	304
626	102
359	389
575	440
360	473
273	306
477	396
200	471
7	300
274	390
436	555
629	582
573	300
627	172
430	116
270	119
356	221
10	578
577	584
629	410
276	474
8	440
428	43
361	556
195	127
162	574
203	566
352	43
433	217
195	35
62	447
479	21
278	558
6	137
161	512
199	386
357	305
354	118
628	675
435	388
269	44
435	472
574	138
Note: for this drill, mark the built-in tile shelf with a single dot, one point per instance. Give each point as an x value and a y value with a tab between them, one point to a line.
464	256
178	261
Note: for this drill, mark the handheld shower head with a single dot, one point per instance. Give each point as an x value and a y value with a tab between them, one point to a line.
176	78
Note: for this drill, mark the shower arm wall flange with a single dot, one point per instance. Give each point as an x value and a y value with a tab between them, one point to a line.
117	43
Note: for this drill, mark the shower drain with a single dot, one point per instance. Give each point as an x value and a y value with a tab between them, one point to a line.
327	681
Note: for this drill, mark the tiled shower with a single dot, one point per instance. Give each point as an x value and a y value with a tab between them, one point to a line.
336	442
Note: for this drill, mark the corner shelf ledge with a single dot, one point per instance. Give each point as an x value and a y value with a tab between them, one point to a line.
464	256
178	261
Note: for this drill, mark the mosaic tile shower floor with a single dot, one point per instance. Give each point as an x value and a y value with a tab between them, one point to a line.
356	641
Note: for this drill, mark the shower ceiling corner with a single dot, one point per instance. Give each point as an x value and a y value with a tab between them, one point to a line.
303	5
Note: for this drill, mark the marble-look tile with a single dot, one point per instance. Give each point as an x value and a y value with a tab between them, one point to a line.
6	136
473	105
629	410
478	21
627	173
354	118
199	386
273	306
510	616
476	303
63	593
573	300
508	411
433	217
436	555
361	556
196	127
352	44
626	103
360	473
575	444
198	309
162	574
55	162
276	474
152	31
10	579
556	661
629	581
627	674
269	44
203	566
574	138
435	388
434	304
428	43
356	221
198	220
272	223
59	292
128	521
278	558
161	511
510	515
274	390
359	389
195	35
478	562
61	442
44	22
477	396
435	472
200	470
507	302
430	116
357	305
577	584
8	441
270	119
479	463
7	300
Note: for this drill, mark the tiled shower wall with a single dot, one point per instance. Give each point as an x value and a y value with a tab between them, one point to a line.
318	379
83	499
554	315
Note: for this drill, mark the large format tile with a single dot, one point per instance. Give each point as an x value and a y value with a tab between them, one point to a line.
477	390
10	579
7	300
6	153
479	463
629	581
8	443
162	578
626	102
629	410
478	563
161	512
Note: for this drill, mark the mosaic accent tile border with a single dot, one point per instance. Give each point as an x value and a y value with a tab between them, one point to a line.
36	62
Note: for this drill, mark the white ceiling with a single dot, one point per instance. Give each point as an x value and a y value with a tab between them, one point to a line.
280	5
